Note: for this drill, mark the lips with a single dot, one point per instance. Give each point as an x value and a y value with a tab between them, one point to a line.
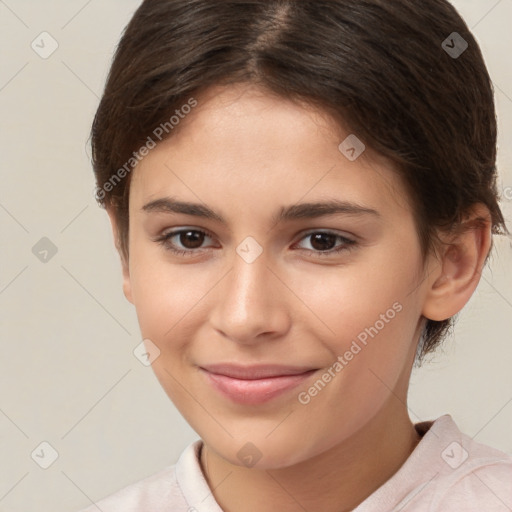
252	385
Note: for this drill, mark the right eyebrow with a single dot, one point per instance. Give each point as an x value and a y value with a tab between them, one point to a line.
170	205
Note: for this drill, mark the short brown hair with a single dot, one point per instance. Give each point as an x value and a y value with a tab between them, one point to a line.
378	66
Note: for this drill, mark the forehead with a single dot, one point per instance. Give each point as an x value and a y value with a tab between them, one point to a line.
240	141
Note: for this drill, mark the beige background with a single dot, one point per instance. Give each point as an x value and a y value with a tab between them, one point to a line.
67	372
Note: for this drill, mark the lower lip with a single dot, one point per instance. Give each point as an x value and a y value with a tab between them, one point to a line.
257	391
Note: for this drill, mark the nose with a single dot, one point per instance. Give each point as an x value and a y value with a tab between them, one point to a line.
251	303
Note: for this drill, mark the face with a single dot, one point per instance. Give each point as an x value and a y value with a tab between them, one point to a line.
278	324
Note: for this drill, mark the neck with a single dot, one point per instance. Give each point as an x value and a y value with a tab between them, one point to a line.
334	481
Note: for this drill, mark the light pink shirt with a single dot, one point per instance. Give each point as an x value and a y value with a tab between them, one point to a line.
447	472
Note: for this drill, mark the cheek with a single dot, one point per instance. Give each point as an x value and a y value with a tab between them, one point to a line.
165	297
352	299
372	317
165	294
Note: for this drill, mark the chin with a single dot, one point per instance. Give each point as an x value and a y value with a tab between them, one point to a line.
261	453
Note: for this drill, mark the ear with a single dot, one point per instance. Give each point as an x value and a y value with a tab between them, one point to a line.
459	267
127	289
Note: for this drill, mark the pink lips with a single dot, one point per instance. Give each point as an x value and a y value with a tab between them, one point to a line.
253	385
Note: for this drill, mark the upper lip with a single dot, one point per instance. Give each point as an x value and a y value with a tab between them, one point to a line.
256	371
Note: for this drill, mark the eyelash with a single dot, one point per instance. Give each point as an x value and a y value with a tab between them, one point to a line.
164	240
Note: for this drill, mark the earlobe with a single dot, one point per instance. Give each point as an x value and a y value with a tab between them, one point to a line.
459	268
127	290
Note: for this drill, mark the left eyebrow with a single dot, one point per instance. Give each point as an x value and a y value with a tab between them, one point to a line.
289	213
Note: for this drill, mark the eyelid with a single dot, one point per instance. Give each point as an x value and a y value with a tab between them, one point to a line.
175	231
180	229
327	231
172	232
348	242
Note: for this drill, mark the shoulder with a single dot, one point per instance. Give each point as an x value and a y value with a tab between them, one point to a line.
487	486
474	476
153	493
157	493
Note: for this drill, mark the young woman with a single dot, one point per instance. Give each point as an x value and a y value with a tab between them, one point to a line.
303	195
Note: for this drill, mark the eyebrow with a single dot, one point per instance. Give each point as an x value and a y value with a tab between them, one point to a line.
288	213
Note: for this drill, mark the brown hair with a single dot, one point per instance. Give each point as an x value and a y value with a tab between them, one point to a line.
379	67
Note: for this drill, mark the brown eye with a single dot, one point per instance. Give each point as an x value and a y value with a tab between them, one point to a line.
191	239
184	242
324	243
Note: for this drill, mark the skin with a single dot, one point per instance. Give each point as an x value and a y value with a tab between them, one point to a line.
246	153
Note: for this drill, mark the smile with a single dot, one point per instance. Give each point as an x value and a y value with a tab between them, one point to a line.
254	385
